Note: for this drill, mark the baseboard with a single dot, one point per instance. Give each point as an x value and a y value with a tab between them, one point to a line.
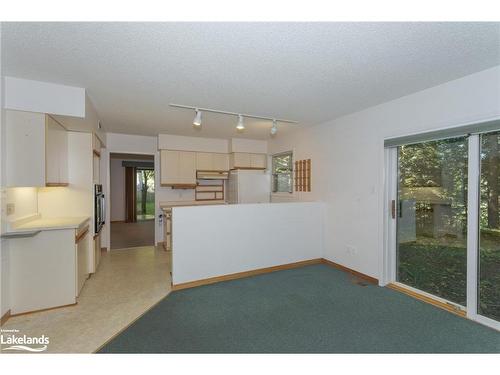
41	310
351	271
5	317
240	275
442	305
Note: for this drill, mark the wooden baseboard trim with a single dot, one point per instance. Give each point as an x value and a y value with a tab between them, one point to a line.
241	275
448	307
5	317
351	271
41	310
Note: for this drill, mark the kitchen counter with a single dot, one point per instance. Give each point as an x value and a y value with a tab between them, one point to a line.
36	222
167	205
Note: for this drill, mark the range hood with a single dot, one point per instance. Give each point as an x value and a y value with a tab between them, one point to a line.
212	175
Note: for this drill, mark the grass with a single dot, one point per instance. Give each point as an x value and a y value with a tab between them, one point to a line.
441	269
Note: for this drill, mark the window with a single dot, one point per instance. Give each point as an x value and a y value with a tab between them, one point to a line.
282	172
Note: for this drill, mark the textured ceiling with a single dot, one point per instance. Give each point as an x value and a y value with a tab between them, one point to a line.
310	72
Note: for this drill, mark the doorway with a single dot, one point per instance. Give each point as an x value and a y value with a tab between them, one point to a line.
132	200
443	223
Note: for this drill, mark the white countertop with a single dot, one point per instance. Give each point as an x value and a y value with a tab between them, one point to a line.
167	205
36	222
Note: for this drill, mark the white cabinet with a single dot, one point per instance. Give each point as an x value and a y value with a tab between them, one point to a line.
82	245
24	148
258	161
211	161
56	153
43	270
244	160
220	162
178	168
204	161
36	150
97	253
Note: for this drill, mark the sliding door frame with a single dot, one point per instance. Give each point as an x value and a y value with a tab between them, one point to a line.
391	177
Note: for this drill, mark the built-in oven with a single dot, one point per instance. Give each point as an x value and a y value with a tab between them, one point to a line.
99	208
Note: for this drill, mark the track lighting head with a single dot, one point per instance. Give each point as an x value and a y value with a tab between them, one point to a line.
197	118
241	125
274	128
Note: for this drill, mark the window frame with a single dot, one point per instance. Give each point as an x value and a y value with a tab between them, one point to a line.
275	175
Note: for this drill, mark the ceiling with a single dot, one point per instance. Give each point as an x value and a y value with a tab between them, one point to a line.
309	72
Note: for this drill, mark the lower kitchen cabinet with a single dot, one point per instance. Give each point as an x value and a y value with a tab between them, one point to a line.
47	269
97	253
167	229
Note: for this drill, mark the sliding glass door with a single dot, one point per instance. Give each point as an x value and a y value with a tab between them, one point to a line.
443	228
432	218
489	224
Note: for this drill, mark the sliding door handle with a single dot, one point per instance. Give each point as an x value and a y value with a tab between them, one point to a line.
393	209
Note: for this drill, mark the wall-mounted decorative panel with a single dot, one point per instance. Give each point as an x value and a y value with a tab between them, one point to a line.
303	175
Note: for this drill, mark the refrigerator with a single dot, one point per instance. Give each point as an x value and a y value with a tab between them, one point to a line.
248	186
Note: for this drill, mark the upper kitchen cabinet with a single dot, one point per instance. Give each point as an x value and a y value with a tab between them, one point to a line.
36	150
178	169
56	153
245	160
210	161
96	158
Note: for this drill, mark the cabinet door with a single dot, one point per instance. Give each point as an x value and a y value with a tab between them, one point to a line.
204	161
51	152
187	167
96	168
258	161
82	262
56	153
169	167
220	162
241	160
97	252
24	148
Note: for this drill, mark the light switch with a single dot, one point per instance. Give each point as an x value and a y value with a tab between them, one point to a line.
11	209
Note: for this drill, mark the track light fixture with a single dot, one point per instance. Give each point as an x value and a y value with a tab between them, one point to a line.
197	118
241	125
274	128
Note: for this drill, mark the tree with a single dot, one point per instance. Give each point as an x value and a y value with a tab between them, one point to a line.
145	176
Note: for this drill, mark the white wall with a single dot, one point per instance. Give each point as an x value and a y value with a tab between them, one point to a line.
183	143
44	97
25	200
248	145
348	159
212	241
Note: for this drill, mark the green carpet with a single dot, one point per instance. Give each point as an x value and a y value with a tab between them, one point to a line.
314	309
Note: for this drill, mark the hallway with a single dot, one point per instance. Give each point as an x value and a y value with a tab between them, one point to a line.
126	235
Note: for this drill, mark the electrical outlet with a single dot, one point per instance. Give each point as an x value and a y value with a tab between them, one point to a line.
11	209
350	249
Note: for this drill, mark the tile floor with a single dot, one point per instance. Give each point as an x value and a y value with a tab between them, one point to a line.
127	283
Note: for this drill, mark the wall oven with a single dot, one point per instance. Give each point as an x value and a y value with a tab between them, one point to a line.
99	208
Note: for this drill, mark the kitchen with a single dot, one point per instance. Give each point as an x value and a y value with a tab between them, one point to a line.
57	189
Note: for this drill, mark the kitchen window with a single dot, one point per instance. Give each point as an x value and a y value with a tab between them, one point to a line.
282	172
